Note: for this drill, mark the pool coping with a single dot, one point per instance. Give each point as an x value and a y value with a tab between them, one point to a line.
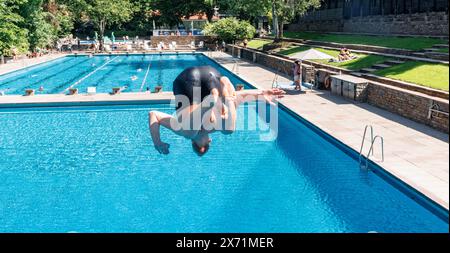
425	199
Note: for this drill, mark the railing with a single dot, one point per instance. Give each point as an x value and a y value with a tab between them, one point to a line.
436	109
371	149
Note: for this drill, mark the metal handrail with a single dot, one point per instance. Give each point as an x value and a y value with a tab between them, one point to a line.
436	109
364	140
371	150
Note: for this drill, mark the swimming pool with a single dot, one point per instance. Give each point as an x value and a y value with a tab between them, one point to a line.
94	169
136	72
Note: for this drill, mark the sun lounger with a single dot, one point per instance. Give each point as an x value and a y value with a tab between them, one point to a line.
285	85
107	48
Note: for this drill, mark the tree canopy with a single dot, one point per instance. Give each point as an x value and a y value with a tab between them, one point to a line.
230	29
33	24
12	35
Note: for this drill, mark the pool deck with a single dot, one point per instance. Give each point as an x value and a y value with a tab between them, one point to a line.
415	153
24	63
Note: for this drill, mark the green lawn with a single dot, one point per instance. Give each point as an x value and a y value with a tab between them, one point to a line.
427	74
443	50
363	60
258	44
382	41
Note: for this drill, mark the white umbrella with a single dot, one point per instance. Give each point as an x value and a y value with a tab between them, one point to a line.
311	54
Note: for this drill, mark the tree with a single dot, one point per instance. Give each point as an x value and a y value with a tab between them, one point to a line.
103	13
46	21
230	29
12	35
284	11
59	16
142	20
246	9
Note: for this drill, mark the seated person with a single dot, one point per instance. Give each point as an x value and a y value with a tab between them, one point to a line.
343	55
349	54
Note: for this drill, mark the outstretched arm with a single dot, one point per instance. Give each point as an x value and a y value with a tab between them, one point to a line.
253	95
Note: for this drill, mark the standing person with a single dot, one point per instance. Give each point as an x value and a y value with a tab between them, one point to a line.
58	47
298	75
14	53
224	45
78	43
245	43
69	46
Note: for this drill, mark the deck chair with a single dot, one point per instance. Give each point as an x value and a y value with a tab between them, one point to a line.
107	48
287	85
91	90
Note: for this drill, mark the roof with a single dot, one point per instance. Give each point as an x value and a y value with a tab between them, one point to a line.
199	17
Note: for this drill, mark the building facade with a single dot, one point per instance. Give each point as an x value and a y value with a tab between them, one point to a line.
413	17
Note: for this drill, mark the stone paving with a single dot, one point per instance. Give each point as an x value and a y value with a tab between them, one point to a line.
23	63
415	153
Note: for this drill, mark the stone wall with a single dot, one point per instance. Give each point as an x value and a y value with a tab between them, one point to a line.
431	24
181	40
418	24
409	104
318	26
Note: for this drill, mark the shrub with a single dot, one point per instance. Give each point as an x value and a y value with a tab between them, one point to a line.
230	30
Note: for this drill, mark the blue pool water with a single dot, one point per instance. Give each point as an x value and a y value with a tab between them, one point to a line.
94	169
137	72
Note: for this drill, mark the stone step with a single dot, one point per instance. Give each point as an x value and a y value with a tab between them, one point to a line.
356	74
441	46
381	66
394	62
419	54
437	53
368	70
431	49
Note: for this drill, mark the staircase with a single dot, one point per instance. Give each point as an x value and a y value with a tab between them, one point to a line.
376	67
436	51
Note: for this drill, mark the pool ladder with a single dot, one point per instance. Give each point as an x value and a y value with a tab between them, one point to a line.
373	139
